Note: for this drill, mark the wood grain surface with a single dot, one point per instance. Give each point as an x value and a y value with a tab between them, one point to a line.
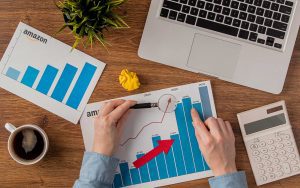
61	166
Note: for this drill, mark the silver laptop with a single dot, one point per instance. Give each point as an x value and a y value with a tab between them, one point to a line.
248	42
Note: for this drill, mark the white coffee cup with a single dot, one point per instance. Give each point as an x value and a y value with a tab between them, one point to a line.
14	131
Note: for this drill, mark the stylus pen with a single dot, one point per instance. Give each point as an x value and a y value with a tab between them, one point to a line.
144	105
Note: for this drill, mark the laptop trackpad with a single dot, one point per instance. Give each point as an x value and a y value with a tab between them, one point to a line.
214	56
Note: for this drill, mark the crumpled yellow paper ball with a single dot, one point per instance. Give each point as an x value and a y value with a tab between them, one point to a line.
129	80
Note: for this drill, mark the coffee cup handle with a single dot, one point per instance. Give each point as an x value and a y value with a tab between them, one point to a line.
10	127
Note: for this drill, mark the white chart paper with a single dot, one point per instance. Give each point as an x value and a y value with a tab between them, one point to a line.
47	73
144	127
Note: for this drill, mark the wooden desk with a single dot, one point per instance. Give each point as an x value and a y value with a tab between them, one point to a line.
61	166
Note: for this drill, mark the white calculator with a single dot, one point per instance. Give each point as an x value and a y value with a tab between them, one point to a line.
270	143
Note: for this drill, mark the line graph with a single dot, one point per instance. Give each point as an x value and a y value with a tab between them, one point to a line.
155	122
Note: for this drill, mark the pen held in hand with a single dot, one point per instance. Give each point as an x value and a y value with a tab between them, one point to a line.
144	105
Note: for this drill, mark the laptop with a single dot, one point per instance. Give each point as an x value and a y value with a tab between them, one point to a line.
248	42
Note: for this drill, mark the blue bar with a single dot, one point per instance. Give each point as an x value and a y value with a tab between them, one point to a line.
153	170
47	79
205	102
125	174
30	76
81	85
135	176
118	181
162	169
197	152
171	163
13	73
187	106
64	83
143	170
198	107
178	155
185	142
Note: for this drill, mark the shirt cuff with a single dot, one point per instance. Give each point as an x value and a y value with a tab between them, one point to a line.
232	180
98	168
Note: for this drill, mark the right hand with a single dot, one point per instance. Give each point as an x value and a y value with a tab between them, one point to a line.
109	126
217	143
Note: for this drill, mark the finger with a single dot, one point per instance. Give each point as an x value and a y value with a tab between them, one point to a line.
229	128
222	125
200	128
213	126
110	106
121	124
121	110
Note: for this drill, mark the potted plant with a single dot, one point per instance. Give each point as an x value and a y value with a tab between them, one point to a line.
87	19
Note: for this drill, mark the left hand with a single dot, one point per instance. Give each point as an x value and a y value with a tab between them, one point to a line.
108	126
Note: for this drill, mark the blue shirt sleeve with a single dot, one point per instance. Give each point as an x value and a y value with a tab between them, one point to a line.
233	180
97	171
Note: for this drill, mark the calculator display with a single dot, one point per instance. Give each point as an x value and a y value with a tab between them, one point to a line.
264	124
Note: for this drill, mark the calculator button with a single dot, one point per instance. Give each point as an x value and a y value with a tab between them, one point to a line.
279	145
269	169
289	149
278	139
257	159
272	148
286	137
288	143
260	165
267	163
292	156
254	146
281	152
279	173
262	144
271	176
255	152
264	150
286	168
293	162
295	168
263	178
265	157
270	141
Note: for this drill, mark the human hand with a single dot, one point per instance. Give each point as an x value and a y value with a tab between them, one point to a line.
108	126
217	143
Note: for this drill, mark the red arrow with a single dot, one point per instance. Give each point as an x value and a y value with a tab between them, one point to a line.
163	146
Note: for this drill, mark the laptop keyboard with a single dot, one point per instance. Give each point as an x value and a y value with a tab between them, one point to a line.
263	22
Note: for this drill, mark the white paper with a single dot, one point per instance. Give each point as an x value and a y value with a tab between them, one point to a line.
138	118
30	47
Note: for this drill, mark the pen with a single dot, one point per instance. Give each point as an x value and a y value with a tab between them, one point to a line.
144	105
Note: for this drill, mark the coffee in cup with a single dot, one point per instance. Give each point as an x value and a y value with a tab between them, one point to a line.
27	144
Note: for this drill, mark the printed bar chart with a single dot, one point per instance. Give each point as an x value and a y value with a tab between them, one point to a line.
64	82
12	73
47	79
144	170
30	76
184	156
46	73
81	85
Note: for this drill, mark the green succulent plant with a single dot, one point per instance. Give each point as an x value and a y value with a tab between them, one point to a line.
88	18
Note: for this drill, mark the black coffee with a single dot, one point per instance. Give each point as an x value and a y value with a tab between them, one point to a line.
37	150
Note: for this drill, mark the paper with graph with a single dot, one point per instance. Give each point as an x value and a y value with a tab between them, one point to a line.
145	127
47	73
